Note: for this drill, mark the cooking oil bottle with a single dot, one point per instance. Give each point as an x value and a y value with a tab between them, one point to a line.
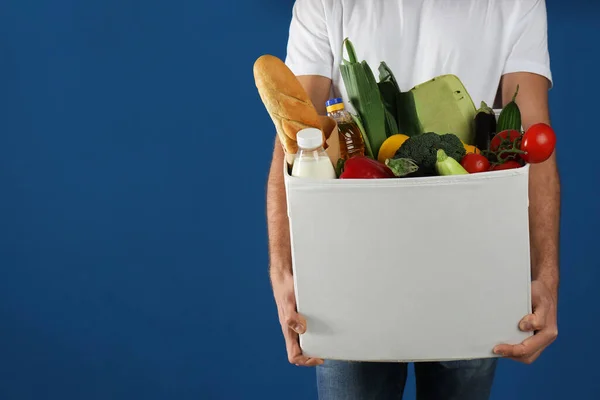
351	140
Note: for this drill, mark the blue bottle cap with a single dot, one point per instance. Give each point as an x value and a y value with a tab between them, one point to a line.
331	102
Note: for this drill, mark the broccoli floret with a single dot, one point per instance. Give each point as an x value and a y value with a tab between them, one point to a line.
423	150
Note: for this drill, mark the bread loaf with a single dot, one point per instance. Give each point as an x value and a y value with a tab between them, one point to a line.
285	99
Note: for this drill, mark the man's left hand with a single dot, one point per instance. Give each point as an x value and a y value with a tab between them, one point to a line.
542	322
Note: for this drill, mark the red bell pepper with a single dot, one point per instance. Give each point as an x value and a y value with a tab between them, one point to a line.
362	167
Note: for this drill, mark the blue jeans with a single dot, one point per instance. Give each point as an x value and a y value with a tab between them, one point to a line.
450	380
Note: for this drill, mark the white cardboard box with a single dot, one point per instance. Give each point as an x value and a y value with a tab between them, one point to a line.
411	269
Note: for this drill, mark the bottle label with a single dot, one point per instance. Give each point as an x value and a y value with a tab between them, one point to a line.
349	142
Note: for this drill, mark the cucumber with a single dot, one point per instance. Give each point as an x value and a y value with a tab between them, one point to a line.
510	116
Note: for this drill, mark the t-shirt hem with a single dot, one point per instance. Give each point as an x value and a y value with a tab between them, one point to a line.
528	66
309	69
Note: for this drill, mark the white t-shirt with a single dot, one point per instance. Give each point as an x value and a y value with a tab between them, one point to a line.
476	40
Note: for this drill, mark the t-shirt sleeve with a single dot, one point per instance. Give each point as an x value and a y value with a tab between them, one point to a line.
530	45
308	49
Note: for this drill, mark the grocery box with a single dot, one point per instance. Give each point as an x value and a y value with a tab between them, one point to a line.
410	269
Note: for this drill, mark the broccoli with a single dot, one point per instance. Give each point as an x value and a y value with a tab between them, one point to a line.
422	149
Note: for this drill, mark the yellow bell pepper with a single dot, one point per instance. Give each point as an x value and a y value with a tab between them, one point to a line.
390	146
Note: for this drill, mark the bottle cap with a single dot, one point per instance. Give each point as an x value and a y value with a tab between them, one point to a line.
309	138
331	102
334	104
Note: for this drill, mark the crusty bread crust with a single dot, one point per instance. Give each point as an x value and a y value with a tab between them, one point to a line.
285	99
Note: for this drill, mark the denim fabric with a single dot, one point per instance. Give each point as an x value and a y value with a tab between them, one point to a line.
450	380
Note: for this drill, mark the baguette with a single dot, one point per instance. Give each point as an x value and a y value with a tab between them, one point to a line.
286	101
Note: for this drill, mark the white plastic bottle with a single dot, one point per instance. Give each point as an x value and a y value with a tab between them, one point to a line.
311	160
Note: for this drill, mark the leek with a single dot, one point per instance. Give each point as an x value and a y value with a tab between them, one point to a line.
365	97
400	104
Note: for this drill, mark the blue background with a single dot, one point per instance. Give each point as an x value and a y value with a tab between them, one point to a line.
134	151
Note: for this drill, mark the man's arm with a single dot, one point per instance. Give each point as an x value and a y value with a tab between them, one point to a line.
310	58
544	184
544	216
280	253
318	89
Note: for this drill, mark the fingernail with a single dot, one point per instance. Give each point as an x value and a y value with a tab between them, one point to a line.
297	328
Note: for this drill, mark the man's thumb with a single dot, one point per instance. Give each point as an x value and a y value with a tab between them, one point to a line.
296	322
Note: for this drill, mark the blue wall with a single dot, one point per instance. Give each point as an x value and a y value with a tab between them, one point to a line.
133	156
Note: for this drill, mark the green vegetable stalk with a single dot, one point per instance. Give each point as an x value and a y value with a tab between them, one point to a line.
401	166
339	167
361	128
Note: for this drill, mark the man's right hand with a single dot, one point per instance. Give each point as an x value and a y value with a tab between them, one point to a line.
292	323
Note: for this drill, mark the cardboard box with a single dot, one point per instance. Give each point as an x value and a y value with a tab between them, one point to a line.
411	269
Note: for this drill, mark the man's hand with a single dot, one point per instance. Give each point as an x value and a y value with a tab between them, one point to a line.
292	323
542	322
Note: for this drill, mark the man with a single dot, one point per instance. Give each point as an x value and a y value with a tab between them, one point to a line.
492	46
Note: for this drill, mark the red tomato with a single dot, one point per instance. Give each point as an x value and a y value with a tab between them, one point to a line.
507	165
538	143
474	163
508	134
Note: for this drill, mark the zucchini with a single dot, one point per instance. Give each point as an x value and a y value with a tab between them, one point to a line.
446	165
510	116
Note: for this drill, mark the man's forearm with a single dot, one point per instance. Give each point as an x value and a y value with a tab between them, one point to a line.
317	88
544	212
277	218
544	183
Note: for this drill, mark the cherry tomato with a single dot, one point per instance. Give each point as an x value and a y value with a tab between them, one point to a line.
511	135
474	163
538	143
507	165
